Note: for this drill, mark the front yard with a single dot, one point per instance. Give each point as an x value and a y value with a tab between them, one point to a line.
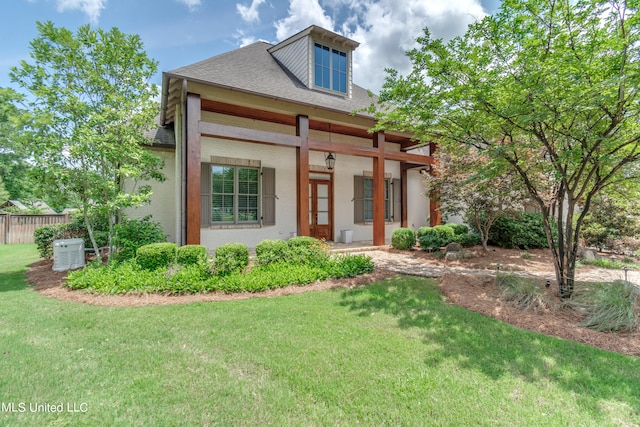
389	353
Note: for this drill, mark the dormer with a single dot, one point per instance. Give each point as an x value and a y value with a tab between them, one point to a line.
319	58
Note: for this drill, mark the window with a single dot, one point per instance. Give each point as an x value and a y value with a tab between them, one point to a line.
368	200
330	68
234	195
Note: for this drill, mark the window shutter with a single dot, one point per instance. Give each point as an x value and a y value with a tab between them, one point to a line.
397	200
205	195
269	196
358	199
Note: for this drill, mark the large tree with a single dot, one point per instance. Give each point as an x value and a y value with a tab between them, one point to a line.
90	103
549	87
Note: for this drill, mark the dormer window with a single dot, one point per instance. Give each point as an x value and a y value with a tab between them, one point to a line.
330	68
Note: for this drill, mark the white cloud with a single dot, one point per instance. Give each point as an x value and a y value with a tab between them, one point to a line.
386	29
250	13
302	13
91	8
191	4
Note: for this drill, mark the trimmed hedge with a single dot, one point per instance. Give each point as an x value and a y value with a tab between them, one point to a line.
525	232
403	238
458	229
156	255
191	254
231	258
270	251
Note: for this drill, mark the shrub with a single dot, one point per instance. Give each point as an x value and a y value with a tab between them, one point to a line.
445	233
458	229
231	258
609	306
308	251
526	231
270	251
430	239
131	234
422	231
116	279
45	235
403	238
349	265
156	255
467	240
191	254
304	241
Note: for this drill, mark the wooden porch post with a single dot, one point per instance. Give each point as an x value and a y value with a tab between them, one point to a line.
192	165
302	176
404	221
378	190
434	206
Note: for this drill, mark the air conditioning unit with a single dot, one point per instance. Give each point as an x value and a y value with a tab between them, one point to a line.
68	254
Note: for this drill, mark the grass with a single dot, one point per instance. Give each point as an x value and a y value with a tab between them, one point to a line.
520	291
612	264
392	353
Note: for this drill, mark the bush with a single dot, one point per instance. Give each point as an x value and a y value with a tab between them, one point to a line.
458	229
304	241
231	258
131	234
308	251
609	306
445	233
270	251
351	265
156	255
525	232
467	240
429	239
403	238
191	254
422	231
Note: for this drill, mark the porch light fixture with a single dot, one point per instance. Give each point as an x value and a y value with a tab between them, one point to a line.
330	161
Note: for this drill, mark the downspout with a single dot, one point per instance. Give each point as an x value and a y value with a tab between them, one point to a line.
164	99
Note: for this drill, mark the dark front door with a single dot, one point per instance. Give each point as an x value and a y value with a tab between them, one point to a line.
321	209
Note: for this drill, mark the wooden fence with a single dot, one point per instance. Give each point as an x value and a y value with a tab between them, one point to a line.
19	228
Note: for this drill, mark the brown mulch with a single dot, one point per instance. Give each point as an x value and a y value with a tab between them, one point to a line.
476	292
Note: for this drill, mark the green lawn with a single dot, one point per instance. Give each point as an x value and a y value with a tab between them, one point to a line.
391	353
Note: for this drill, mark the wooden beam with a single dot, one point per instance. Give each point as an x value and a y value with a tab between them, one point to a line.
217	130
302	176
378	190
192	156
434	207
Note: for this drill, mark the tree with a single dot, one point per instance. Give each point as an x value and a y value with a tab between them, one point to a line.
4	194
90	103
14	169
548	87
465	181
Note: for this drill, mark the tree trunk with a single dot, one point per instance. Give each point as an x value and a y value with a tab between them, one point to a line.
89	226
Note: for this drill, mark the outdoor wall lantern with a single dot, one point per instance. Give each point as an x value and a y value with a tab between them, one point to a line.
330	160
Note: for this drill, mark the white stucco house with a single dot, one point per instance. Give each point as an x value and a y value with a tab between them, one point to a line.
245	136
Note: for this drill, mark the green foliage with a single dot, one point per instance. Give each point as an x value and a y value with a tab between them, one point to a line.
523	293
90	104
4	194
191	254
458	229
231	258
351	265
307	250
270	251
611	264
526	231
304	241
422	231
131	234
467	240
156	255
610	220
608	306
429	239
403	239
46	234
445	233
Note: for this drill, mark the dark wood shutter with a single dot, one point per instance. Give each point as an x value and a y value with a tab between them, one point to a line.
397	200
205	195
358	199
269	196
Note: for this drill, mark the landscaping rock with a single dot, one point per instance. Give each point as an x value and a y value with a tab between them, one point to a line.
453	247
588	255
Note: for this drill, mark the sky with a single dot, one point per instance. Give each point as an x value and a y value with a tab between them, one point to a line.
180	32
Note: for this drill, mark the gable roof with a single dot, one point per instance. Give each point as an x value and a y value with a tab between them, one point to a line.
254	70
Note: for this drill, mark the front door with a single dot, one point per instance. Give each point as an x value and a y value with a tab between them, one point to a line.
321	209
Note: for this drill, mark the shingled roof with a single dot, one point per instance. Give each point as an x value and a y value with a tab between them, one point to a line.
254	70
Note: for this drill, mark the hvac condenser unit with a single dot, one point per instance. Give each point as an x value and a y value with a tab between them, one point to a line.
68	254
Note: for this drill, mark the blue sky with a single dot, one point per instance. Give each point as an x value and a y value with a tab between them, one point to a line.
181	32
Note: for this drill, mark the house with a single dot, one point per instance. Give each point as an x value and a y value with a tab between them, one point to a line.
268	141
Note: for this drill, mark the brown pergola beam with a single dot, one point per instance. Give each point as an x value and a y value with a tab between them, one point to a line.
217	130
